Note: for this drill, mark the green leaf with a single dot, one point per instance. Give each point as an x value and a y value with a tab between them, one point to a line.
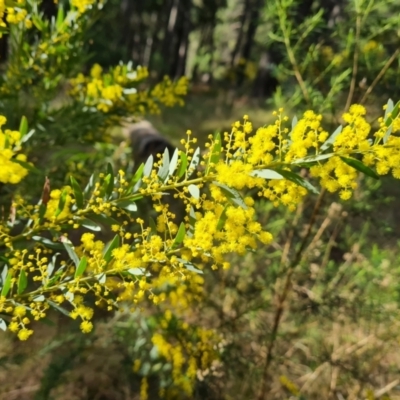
102	278
128	205
47	242
312	159
70	250
232	194
294	122
60	16
102	219
173	163
108	251
148	166
27	136
89	187
194	191
164	169
194	162
298	180
179	236
189	266
23	126
387	134
329	142
110	187
359	166
89	224
222	219
38	22
137	272
136	177
58	308
6	284
22	282
266	174
389	108
107	183
81	267
215	153
394	111
183	165
61	203
78	194
39	298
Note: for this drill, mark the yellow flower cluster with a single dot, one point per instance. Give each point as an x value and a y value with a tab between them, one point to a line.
83	5
187	358
162	263
15	14
10	142
118	89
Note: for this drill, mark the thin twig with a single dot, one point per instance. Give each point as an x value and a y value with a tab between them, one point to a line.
355	63
380	75
282	297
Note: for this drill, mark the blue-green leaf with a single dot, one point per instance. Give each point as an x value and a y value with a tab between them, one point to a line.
108	251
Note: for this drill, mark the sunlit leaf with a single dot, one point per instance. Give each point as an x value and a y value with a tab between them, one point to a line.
329	142
194	191
23	126
298	180
164	168
70	250
6	284
266	174
81	267
112	245
183	165
148	166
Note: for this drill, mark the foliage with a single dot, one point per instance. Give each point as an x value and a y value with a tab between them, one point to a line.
331	50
